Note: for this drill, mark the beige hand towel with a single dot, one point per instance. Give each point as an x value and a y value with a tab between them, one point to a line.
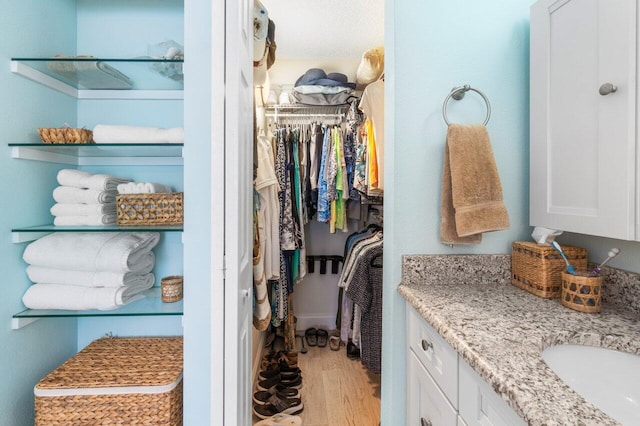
471	189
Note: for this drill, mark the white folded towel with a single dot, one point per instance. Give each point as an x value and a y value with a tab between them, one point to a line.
93	251
39	274
86	220
142	188
82	179
105	133
91	74
71	195
78	209
58	296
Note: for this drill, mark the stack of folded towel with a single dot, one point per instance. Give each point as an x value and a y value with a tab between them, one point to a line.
142	188
85	199
92	270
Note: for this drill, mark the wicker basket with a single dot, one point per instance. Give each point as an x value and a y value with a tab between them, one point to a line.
65	135
115	381
171	287
537	268
581	292
164	208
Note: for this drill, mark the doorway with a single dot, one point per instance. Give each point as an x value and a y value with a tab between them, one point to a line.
333	37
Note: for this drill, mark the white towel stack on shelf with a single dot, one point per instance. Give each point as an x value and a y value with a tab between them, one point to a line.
142	188
85	199
89	270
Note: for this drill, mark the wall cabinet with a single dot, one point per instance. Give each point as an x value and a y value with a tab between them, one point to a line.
583	117
455	394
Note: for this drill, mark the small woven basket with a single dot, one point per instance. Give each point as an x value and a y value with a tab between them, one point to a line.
65	135
581	292
165	208
171	287
537	268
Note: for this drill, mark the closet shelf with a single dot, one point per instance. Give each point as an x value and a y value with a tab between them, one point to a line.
144	154
151	305
147	82
31	233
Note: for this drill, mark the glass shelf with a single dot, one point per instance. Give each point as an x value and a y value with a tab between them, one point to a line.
150	305
104	228
163	154
106	78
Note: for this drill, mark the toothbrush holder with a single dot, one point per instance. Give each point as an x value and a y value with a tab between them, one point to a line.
582	291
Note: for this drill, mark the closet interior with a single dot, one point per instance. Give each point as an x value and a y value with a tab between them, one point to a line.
318	212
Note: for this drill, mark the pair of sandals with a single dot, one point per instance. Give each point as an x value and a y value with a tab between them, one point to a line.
319	337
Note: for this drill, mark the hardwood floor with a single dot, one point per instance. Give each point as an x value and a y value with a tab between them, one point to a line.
337	391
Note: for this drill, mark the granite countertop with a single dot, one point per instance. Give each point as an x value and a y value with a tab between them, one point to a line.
500	331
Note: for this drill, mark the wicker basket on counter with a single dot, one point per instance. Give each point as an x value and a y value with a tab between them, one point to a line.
537	268
115	381
163	208
64	135
582	291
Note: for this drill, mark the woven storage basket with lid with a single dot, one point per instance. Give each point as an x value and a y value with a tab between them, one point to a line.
538	268
115	381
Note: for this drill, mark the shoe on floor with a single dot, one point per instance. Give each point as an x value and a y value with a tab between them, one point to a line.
264	397
295	383
282	371
280	420
323	337
278	406
352	351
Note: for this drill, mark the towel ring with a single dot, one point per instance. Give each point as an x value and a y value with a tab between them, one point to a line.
457	93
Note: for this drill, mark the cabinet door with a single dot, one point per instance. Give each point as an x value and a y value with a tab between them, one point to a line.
480	405
582	170
426	404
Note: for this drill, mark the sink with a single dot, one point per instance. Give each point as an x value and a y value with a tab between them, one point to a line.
608	379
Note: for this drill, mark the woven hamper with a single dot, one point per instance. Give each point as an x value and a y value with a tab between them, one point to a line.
538	268
115	381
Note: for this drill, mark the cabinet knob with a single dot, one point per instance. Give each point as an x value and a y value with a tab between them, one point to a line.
246	292
426	345
607	88
425	422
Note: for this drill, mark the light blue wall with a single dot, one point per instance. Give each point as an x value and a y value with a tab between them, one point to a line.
436	45
28	354
126	28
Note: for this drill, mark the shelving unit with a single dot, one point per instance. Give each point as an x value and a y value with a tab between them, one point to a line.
150	305
147	83
98	154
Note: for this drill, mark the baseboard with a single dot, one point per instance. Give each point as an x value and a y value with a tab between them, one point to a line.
327	322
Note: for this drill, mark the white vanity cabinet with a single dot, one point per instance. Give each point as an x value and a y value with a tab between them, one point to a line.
583	117
442	389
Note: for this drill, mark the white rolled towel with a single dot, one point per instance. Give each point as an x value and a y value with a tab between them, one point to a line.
86	180
78	209
40	274
71	195
73	297
86	220
93	251
105	133
142	188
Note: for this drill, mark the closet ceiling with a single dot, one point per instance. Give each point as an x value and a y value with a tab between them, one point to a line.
327	29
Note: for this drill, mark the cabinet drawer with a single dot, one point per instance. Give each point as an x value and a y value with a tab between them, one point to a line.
480	405
440	359
427	405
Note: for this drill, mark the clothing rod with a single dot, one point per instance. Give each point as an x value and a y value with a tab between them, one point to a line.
306	115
